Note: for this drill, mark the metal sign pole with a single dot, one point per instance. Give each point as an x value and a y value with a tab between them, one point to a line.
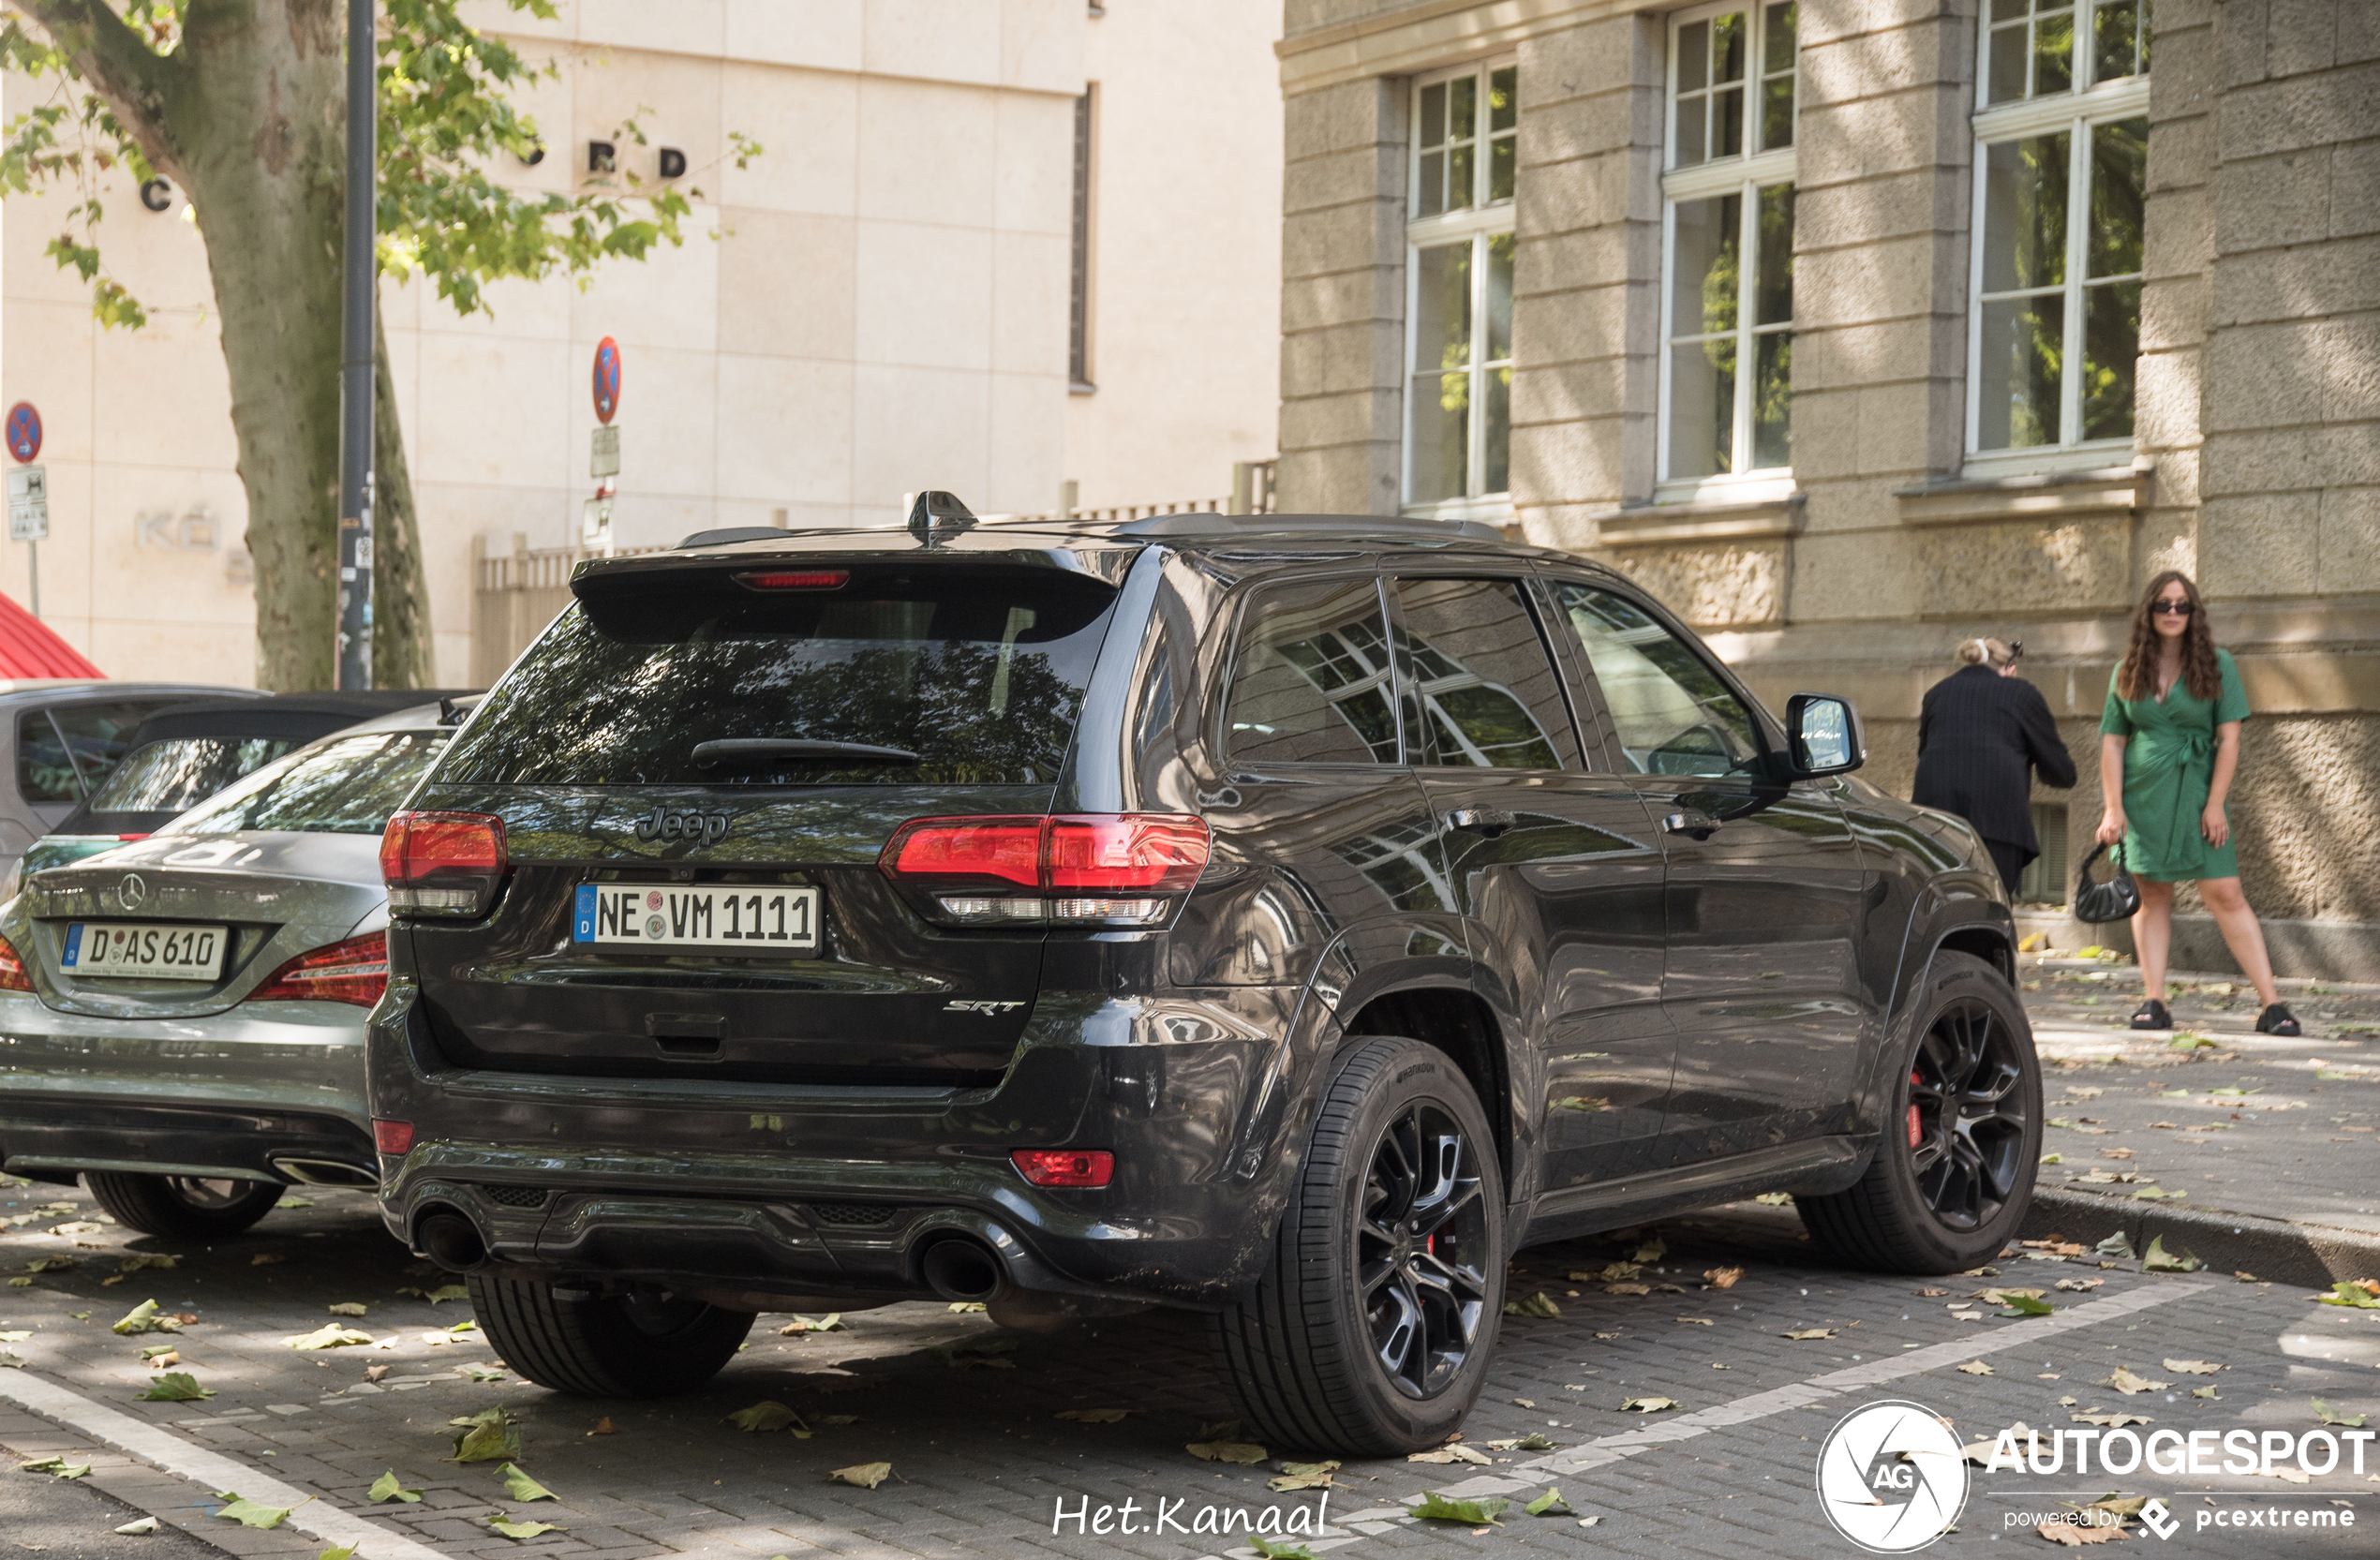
33	573
357	282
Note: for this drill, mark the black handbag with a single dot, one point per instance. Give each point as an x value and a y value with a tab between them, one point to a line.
2113	900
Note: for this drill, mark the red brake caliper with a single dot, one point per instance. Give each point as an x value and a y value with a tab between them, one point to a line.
1915	1135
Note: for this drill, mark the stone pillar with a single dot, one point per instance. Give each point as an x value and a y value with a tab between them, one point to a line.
1586	274
1880	244
2176	249
1343	301
2290	471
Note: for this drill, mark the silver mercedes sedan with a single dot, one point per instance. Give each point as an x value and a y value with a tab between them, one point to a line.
182	1017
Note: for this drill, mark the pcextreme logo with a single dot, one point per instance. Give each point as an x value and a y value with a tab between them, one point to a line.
1891	1477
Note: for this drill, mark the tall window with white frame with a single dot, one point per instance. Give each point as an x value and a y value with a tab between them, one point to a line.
1459	290
1727	233
2061	164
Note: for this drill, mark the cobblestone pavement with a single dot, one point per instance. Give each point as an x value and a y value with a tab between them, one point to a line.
2211	1114
981	1465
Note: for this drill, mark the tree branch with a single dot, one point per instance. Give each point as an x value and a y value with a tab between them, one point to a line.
130	76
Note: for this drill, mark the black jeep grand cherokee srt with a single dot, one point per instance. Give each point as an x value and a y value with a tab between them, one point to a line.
1286	918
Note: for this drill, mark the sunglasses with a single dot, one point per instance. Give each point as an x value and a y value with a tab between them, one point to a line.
2173	609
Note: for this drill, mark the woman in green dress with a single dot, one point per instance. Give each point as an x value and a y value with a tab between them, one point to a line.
2169	746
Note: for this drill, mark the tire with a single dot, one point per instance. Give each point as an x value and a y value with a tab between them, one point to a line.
1950	1199
183	1207
595	1346
1306	1360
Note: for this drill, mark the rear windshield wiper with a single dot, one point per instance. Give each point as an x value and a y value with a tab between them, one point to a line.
728	749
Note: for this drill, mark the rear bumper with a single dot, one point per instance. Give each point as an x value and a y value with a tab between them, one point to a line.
837	1192
273	1092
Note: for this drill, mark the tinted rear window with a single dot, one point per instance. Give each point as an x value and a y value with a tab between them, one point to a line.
345	785
978	670
65	751
167	776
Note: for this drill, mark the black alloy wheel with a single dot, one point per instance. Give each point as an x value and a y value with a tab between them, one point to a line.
1957	1120
1967	1115
1373	1325
1422	1251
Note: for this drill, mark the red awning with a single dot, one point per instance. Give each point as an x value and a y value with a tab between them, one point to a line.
29	649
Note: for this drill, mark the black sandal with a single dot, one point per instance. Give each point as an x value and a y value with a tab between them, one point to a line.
2278	1019
2151	1014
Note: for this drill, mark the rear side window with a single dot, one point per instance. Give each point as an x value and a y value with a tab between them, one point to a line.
1311	682
67	750
344	785
1480	678
971	675
1671	714
167	776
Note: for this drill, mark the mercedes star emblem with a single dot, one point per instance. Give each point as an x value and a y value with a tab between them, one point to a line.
131	891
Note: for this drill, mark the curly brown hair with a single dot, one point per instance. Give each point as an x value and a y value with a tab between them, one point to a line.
2136	678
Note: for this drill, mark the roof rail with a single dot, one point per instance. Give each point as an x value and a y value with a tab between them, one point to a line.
1204	523
727	534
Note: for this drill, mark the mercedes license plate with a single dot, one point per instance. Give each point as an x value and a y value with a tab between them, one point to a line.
131	948
728	919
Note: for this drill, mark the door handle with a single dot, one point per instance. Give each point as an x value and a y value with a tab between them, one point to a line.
1693	821
1485	822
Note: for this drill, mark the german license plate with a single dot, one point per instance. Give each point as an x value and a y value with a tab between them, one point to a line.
156	952
728	919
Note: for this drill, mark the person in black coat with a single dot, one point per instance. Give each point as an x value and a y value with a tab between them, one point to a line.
1981	734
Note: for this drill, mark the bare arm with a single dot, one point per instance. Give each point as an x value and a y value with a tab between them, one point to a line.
2111	788
2212	823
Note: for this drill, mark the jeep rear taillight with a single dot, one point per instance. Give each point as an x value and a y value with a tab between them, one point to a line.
1115	868
443	864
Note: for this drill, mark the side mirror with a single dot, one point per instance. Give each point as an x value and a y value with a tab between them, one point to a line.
1825	734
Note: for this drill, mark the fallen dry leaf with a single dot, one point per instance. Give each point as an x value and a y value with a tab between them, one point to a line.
2126	1382
1627	1288
1452	1453
1226	1451
866	1475
2080	1285
2110	1421
1808	1333
1723	1278
2193	1367
2077	1533
1647	1405
1697	1321
1976	1367
373	1373
1932	1294
602	1426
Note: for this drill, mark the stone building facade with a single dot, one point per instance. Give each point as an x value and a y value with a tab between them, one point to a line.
943	270
1856	328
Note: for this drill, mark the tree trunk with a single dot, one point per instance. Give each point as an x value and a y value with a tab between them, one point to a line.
401	648
260	131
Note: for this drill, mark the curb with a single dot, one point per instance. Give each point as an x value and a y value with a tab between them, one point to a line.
2278	1249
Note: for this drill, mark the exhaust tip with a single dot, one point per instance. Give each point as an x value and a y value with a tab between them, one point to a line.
960	1268
450	1239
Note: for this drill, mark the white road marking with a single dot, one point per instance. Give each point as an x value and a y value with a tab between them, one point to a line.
1802	1394
211	1471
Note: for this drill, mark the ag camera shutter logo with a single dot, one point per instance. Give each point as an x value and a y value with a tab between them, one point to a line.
1891	1477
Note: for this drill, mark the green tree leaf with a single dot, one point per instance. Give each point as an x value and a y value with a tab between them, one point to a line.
1550	1504
386	1488
176	1387
1435	1507
490	1435
522	1530
520	1486
248	1513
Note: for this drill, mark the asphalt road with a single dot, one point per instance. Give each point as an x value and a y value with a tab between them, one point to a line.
982	1464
